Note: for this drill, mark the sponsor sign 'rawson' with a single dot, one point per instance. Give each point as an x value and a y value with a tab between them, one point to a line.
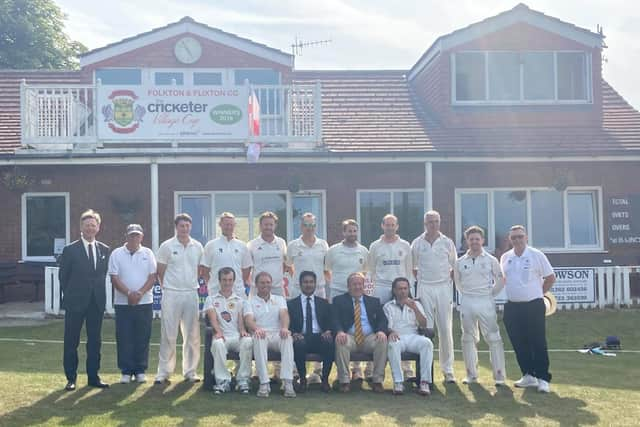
573	285
186	113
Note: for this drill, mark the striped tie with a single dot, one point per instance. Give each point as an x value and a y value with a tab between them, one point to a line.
357	321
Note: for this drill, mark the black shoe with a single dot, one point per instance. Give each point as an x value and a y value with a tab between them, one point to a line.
97	383
71	386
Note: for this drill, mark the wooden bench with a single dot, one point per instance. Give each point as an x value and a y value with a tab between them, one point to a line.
209	381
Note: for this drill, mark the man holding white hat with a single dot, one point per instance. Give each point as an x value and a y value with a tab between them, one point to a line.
528	276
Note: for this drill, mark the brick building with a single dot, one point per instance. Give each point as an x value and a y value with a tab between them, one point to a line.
505	121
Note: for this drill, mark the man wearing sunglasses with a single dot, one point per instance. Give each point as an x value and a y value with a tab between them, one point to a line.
307	253
528	275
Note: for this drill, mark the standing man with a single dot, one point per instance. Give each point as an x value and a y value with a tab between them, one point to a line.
307	253
132	268
434	256
83	269
360	325
478	278
311	326
225	313
528	276
178	260
405	316
267	319
268	253
345	258
227	251
389	257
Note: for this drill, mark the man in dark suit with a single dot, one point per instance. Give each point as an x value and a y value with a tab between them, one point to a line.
311	327
83	268
360	325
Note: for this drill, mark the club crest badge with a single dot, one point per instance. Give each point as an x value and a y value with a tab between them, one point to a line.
123	115
226	316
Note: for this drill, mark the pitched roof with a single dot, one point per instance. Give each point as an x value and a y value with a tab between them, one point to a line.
520	13
10	99
186	25
369	111
377	112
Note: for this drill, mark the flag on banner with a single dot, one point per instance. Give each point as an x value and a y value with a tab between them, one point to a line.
254	114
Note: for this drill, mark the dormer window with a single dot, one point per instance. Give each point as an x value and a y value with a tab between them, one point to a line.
534	77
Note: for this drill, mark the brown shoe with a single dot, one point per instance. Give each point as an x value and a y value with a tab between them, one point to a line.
377	388
325	387
345	387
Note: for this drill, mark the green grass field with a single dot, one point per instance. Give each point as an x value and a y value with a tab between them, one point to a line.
586	390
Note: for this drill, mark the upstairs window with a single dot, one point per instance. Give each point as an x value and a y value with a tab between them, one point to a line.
207	79
119	76
166	78
261	76
503	77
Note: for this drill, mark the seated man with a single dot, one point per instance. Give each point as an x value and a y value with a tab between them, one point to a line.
267	318
405	316
478	277
311	326
224	311
360	325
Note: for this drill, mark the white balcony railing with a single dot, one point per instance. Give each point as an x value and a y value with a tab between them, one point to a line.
67	117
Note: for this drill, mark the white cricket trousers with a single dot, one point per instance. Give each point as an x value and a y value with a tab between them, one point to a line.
412	343
273	342
219	349
179	311
481	310
437	301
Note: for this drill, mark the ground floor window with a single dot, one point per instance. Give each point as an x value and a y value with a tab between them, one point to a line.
45	225
206	207
555	220
407	205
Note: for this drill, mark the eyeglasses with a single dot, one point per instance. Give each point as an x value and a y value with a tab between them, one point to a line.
517	236
309	224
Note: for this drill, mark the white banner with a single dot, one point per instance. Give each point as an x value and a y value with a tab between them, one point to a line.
173	112
573	285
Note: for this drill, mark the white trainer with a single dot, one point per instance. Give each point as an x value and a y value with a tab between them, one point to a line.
288	389
125	379
263	390
544	386
141	378
526	381
398	389
449	378
470	380
424	389
192	378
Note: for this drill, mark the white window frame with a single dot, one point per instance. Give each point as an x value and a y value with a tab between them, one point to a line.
149	74
67	237
522	100
292	234
385	190
567	248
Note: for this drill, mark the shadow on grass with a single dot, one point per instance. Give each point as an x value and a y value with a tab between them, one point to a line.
187	404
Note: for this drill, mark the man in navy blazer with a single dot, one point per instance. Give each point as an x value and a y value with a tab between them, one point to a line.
366	332
311	327
83	269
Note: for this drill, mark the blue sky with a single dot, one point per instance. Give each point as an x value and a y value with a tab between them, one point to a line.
364	34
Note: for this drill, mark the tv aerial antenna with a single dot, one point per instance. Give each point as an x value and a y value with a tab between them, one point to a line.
299	44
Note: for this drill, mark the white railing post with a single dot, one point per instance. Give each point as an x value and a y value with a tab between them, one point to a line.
51	291
626	286
617	287
23	123
109	291
317	112
601	296
609	294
